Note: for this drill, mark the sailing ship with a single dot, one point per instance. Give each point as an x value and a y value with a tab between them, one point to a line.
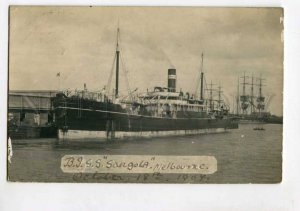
252	106
163	111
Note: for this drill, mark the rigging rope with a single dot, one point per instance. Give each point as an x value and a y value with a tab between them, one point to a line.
205	87
124	68
107	90
110	77
197	84
126	78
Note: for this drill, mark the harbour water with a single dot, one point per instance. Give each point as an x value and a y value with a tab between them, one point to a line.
244	155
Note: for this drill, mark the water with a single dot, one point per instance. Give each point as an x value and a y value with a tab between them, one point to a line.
244	156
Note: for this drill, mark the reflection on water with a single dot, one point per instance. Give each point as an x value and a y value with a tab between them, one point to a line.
244	156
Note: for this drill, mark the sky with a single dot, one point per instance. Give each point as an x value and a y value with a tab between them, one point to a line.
79	42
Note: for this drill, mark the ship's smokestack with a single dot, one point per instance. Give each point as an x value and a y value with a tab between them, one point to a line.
172	80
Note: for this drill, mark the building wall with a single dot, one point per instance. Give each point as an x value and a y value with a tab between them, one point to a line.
30	102
30	108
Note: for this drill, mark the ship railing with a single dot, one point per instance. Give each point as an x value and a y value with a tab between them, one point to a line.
89	95
173	102
177	102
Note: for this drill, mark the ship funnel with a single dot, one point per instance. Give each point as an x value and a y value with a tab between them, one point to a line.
172	80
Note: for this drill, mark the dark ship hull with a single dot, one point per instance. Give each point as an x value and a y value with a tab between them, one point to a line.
267	119
80	118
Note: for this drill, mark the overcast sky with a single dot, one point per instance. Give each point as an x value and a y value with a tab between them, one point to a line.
79	42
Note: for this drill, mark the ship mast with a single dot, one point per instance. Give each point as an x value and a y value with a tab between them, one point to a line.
210	96
261	99
238	97
117	63
211	105
260	94
244	85
244	98
219	96
202	74
251	100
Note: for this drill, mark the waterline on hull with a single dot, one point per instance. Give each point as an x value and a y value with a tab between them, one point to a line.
102	136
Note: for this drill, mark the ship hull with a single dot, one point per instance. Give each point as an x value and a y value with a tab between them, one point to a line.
74	123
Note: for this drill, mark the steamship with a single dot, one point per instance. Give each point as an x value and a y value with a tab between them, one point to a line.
162	111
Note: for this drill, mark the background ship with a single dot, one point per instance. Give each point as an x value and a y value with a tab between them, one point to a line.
162	111
251	104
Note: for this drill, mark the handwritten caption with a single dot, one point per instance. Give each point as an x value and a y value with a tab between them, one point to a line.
152	178
138	164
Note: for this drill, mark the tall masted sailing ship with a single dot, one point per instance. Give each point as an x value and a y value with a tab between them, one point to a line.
163	111
252	104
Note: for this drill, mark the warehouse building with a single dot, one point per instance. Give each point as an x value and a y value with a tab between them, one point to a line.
30	108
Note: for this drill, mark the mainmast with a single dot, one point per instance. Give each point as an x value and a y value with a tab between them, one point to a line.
244	85
202	74
261	98
117	63
244	98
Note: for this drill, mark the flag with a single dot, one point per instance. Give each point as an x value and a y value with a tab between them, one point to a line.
58	74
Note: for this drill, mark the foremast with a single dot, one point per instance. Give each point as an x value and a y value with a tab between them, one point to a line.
117	64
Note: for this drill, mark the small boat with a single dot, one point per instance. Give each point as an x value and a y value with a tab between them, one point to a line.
259	128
